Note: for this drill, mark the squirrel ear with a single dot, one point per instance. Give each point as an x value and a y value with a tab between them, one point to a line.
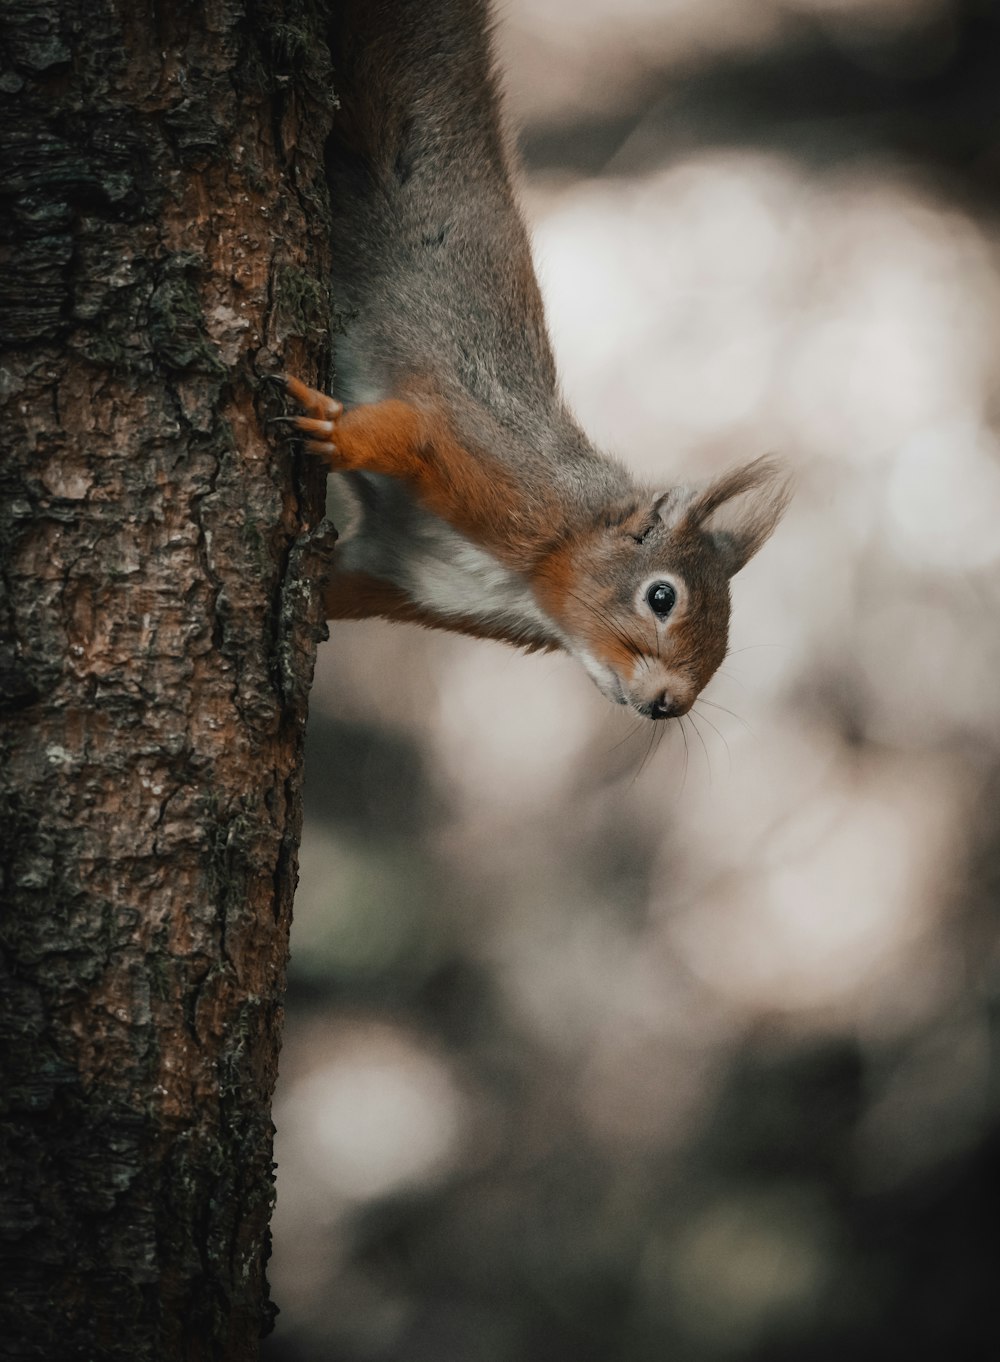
670	506
740	509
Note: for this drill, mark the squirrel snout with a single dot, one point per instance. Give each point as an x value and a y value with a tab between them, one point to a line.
666	707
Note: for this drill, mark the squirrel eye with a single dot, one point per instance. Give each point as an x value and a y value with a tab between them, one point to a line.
661	598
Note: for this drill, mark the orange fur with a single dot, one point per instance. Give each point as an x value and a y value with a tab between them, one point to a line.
470	490
311	401
557	585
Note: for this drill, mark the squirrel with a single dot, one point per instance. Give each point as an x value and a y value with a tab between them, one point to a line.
482	506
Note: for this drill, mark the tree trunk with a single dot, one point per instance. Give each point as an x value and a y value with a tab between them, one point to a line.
164	238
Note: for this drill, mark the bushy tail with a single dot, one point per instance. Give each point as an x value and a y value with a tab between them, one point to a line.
430	253
418	91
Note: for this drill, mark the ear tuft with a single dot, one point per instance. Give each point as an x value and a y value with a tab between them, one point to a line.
740	509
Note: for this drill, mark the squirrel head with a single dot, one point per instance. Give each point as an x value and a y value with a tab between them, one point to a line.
643	597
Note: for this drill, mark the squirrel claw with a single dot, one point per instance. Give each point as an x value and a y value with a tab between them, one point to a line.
324	448
309	426
322	414
315	404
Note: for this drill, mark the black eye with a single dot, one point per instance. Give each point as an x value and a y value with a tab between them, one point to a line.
661	598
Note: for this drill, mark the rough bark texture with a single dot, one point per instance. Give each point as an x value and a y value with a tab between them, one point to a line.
164	245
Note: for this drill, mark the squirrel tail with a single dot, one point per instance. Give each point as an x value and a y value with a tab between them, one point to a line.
418	91
431	261
418	96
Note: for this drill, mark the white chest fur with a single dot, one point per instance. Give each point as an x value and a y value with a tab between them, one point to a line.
457	578
439	568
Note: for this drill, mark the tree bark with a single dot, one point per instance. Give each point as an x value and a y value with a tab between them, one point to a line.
164	229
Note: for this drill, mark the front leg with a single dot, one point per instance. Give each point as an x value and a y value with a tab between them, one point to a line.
473	492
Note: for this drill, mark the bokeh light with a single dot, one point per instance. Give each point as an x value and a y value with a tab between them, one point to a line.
604	1048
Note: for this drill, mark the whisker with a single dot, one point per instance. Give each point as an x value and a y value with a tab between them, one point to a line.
656	636
687	755
731	712
645	757
660	736
613	627
705	719
628	736
732	652
722	740
704	748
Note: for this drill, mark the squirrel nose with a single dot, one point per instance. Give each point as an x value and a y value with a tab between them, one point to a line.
664	707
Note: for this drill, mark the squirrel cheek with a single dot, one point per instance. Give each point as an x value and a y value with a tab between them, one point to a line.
605	678
622	660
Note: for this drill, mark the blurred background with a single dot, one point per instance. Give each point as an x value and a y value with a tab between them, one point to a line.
601	1052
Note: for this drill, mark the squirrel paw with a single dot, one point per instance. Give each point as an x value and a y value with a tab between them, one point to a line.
320	423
